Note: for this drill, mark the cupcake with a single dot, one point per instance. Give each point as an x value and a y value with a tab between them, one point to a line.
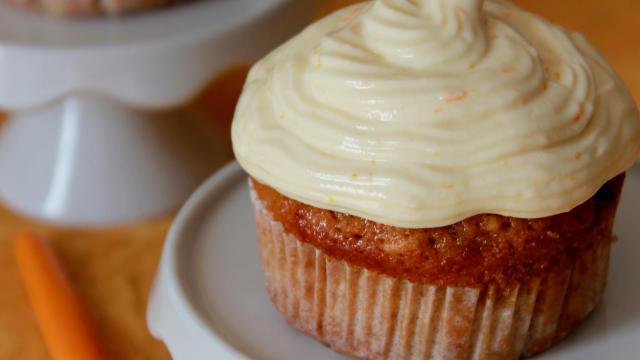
435	179
77	8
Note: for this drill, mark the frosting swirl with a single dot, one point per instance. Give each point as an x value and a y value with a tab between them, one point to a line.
420	113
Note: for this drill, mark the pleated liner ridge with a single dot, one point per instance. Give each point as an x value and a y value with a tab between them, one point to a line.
372	316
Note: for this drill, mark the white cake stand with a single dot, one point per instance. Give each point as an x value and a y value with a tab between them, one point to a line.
89	141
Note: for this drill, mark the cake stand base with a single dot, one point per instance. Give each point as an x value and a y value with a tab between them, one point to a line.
88	161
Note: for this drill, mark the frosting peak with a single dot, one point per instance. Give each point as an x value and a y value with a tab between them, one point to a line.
425	33
420	113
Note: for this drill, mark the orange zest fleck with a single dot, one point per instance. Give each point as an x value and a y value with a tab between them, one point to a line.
578	117
438	110
557	75
457	96
579	114
507	69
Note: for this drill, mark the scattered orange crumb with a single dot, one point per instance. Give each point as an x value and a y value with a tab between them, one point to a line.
557	75
578	156
546	69
438	111
457	96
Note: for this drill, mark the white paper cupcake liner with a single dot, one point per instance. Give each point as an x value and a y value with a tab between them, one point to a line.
368	315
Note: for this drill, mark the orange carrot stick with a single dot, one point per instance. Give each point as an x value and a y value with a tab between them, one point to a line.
65	326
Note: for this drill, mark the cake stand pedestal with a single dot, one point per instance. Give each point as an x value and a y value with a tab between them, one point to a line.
97	133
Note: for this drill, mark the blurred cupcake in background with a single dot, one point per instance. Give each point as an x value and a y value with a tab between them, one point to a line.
435	179
78	8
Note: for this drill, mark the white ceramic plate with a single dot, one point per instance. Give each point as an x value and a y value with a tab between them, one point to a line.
209	301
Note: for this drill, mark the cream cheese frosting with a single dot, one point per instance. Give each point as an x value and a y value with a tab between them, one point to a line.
421	113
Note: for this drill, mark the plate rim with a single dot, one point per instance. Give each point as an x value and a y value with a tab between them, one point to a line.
170	262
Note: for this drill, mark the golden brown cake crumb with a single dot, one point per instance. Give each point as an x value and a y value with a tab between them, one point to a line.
478	250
